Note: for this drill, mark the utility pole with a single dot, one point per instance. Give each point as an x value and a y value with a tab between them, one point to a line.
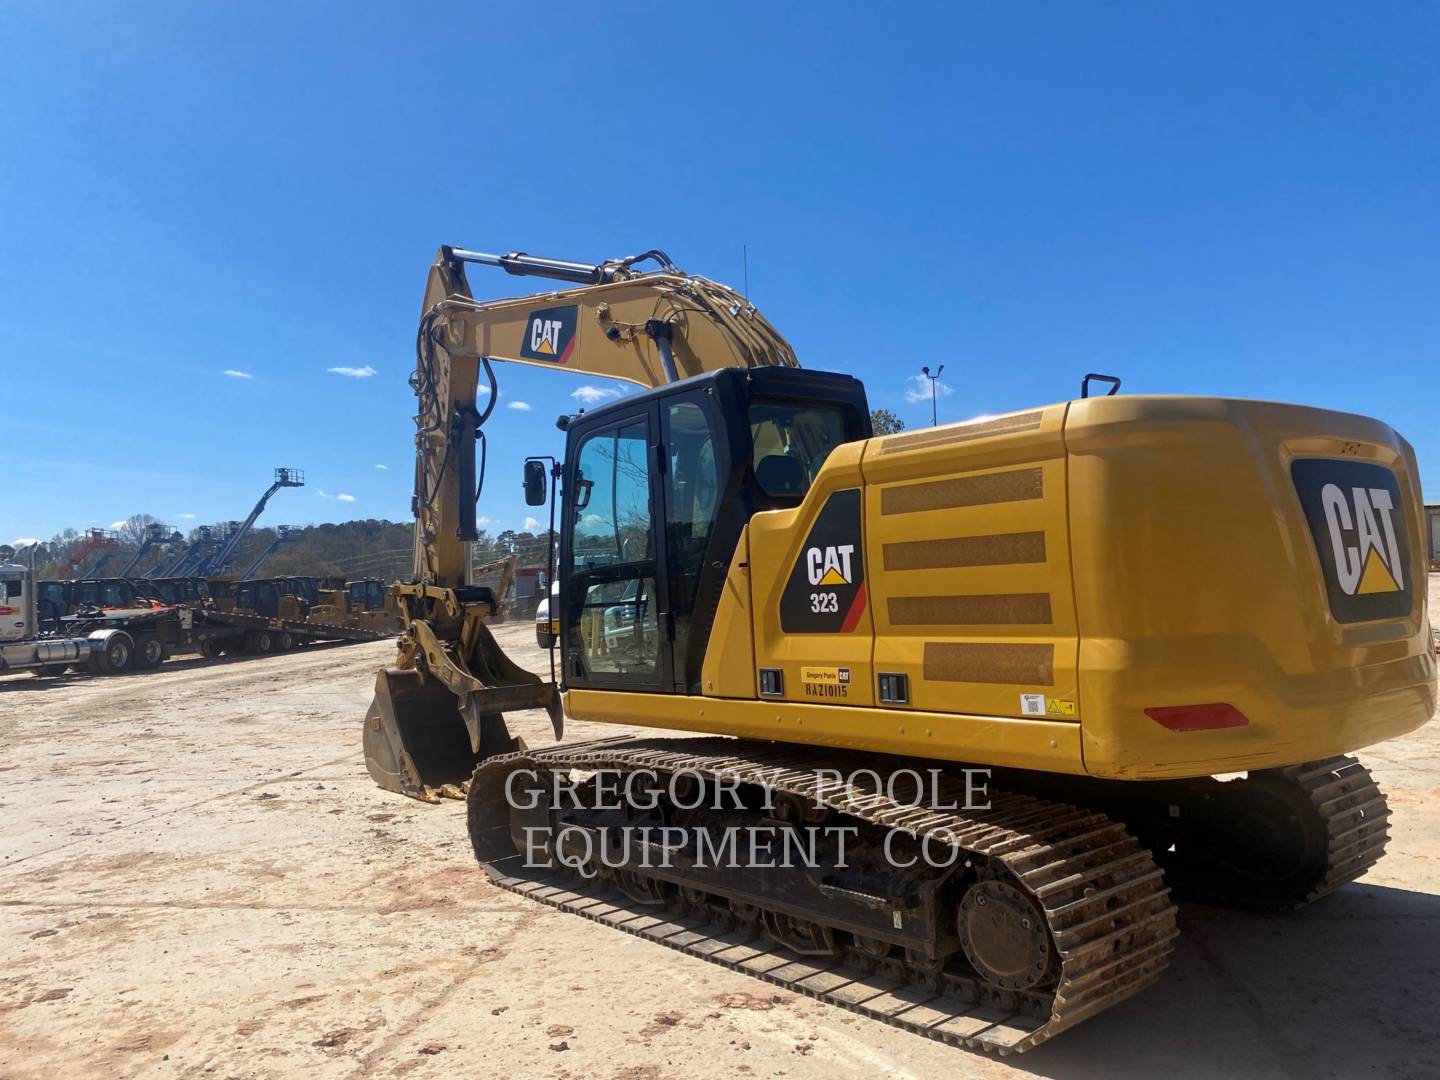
934	413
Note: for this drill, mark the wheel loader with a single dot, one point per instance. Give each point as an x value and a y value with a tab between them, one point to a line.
1122	643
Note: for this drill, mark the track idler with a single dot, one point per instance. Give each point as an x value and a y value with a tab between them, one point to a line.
1279	839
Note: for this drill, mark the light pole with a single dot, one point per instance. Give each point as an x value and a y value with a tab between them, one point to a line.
934	414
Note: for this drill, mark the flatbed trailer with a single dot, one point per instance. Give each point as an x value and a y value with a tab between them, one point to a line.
157	633
111	640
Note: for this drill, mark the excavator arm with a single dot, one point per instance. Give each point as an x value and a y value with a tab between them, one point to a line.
647	327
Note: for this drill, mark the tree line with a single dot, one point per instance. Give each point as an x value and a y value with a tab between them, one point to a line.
365	548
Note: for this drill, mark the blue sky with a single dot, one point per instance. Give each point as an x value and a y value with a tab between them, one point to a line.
1235	199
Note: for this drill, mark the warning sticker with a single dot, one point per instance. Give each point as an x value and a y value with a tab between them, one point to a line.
1040	705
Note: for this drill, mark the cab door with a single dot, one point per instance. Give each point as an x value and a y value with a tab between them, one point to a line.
695	466
14	609
615	623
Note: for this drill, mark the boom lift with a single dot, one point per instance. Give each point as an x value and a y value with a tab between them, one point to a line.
169	556
188	561
98	565
155	534
1107	602
283	536
95	540
216	565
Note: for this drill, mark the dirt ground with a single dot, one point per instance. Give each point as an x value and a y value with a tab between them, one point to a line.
197	878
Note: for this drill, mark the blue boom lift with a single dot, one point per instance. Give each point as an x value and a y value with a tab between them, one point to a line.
283	535
216	564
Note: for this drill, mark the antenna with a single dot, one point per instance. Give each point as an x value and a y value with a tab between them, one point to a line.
745	263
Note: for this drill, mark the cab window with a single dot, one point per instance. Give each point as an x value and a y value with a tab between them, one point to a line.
612	573
791	443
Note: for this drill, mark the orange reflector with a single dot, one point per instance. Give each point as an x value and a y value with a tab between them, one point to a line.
1198	717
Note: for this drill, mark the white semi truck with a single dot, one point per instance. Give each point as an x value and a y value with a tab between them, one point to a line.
23	646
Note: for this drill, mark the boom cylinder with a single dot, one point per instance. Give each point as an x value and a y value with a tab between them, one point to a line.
522	265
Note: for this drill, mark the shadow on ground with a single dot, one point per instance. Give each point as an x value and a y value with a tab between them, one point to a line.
1348	987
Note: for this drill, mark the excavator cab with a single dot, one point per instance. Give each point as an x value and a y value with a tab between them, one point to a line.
657	488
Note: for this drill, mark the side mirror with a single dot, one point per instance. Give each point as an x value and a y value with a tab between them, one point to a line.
534	483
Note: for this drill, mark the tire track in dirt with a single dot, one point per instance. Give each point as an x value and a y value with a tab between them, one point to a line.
382	1054
176	810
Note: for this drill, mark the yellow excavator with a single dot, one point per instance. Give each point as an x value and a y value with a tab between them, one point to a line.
1159	625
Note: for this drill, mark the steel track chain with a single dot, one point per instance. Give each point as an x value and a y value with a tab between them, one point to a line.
1106	906
1355	814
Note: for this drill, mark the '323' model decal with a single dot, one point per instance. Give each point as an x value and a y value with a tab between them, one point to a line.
825	593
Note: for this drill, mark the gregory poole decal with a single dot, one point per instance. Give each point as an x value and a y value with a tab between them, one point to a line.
826	590
550	334
825	682
1358	523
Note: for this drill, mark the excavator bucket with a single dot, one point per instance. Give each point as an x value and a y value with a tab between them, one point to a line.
417	742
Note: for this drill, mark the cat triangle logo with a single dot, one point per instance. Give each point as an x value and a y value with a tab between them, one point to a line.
1363	538
1357	517
1376	578
544	333
550	334
829	566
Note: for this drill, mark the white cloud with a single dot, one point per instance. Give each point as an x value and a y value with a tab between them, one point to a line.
520	406
593	395
483	389
343	497
353	372
117	524
918	389
482	520
383	468
24	541
236	374
187	517
530	525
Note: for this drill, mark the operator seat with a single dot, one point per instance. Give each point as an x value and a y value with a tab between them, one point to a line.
782	475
